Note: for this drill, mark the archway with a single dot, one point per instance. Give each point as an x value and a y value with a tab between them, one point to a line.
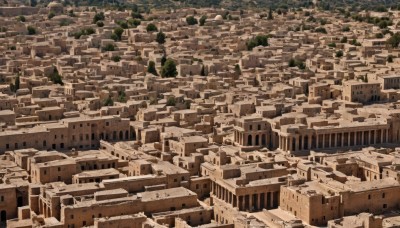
250	140
3	216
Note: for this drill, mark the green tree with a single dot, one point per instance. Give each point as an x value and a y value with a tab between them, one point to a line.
21	18
203	20
109	47
394	40
238	71
259	40
339	54
270	15
100	24
191	20
118	32
160	38
151	68
51	15
134	22
163	60
123	24
136	15
55	77
171	101
31	30
116	58
109	101
151	28
14	87
169	69
121	96
98	17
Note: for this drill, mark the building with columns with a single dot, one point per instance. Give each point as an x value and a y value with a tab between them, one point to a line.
298	134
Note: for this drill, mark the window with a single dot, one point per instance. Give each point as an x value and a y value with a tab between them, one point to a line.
72	216
45	172
385	205
1	198
59	169
383	195
7	146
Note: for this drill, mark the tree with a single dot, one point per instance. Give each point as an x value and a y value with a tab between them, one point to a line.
394	40
51	15
14	87
116	58
238	71
171	101
134	22
343	40
31	30
151	68
121	96
191	20
55	77
203	20
123	24
109	47
160	37
100	24
163	60
339	54
202	72
136	15
108	102
118	32
21	18
270	15
98	17
321	30
259	40
169	69
151	28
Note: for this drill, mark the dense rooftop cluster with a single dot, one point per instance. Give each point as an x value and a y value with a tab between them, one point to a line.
198	117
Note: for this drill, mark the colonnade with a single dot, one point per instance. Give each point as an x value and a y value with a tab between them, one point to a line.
250	202
333	140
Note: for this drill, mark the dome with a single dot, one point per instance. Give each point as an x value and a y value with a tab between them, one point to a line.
54	5
218	18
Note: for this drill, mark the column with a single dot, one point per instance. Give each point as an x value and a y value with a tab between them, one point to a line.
369	138
259	201
290	140
330	140
297	143
387	135
302	142
250	202
323	141
317	144
381	136
348	142
309	142
342	139
243	202
362	137
271	200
